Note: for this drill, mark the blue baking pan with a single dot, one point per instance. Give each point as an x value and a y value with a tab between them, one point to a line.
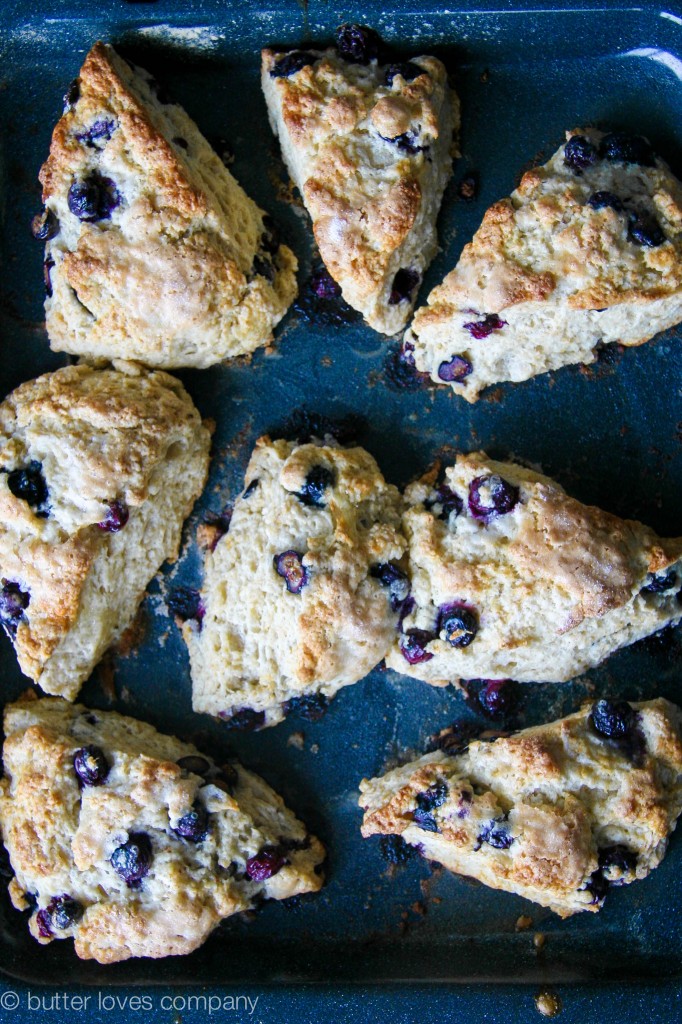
611	434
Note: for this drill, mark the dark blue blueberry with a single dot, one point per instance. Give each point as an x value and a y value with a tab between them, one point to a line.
660	582
599	200
498	696
94	198
290	63
579	153
613	719
48	264
413	646
63	912
395	579
13	603
395	850
408	72
263	267
310	706
195	764
357	44
323	285
598	887
425	820
481	329
270	238
455	369
502	495
404	284
72	95
401	371
459	623
644	229
133	860
244	720
100	130
251	488
186	603
615	862
44	226
407	142
29	484
193	826
464	804
91	766
630	149
116	517
434	796
444	503
44	924
316	483
265	864
495	834
289	565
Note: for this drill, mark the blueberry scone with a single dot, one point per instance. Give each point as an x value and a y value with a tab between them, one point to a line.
154	252
556	813
511	578
301	596
133	843
98	471
369	146
586	251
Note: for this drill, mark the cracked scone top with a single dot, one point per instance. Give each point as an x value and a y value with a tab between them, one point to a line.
98	470
300	597
369	146
555	813
586	251
511	578
132	842
154	252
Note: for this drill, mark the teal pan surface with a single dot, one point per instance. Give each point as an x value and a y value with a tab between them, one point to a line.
611	434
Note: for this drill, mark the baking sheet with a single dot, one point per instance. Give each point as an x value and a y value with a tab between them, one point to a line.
611	434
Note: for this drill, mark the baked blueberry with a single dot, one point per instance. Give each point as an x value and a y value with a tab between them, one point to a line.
93	198
266	863
613	719
48	264
290	63
13	602
444	503
658	583
407	71
186	603
323	285
401	370
456	368
193	826
615	862
498	696
495	834
629	149
91	766
310	706
395	579
289	565
100	130
404	284
644	229
44	226
408	142
481	329
459	623
29	484
491	496
244	720
63	912
579	153
425	820
318	479
116	517
133	859
357	44
598	887
413	645
434	796
599	200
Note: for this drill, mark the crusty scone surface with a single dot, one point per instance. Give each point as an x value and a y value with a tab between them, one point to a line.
556	586
258	644
562	276
61	834
550	798
171	278
373	204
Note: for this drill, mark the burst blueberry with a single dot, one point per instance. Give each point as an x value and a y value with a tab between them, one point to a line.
629	149
413	646
116	517
600	200
244	720
401	370
404	284
100	130
455	369
613	719
133	859
394	579
459	623
13	603
491	496
434	796
289	565
93	198
323	285
480	329
408	142
44	226
496	834
193	826
186	603
291	63
444	503
310	706
357	44
318	479
265	864
407	71
425	820
63	912
658	583
91	766
616	862
644	229
498	696
579	154
29	484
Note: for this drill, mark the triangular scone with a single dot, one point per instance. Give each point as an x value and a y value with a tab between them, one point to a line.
154	252
369	147
98	471
587	251
300	597
513	579
134	843
556	813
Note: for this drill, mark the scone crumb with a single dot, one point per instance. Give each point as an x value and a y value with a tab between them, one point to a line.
523	923
548	1004
296	740
539	940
